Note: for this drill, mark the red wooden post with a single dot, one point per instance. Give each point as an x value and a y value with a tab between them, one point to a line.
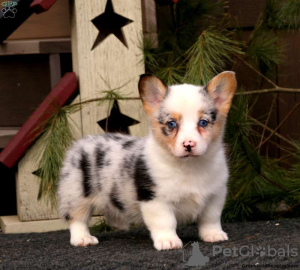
40	6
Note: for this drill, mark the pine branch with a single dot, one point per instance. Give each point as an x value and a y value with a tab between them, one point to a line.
289	209
283	14
100	99
271	130
277	89
282	122
257	72
266	123
274	183
209	55
257	122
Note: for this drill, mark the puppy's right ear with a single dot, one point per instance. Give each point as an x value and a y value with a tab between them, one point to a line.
152	91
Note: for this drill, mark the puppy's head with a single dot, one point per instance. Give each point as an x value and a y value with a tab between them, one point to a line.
186	119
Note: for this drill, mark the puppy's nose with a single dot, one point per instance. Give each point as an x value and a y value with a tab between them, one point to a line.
188	145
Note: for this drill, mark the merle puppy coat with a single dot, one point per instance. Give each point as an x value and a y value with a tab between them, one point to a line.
177	174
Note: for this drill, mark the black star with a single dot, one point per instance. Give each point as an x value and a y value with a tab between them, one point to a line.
108	23
117	122
38	172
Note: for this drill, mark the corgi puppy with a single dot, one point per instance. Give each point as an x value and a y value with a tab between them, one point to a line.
177	174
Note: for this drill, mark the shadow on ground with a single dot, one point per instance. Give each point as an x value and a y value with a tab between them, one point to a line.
134	249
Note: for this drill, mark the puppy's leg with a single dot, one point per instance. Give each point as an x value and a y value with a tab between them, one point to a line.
209	221
80	234
160	219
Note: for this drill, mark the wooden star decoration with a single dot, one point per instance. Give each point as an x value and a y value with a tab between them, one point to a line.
108	23
117	122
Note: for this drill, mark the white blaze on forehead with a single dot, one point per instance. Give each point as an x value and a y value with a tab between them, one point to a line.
187	100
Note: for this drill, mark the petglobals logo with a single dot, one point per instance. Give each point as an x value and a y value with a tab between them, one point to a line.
195	259
246	251
9	9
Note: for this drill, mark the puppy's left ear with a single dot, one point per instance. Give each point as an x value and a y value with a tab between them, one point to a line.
221	90
152	91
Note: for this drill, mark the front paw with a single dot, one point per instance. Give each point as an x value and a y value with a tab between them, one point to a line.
214	236
81	241
168	242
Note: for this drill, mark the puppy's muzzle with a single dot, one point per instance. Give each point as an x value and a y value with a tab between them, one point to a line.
188	145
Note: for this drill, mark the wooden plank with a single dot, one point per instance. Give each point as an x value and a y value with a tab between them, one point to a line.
111	60
289	76
25	82
55	70
20	47
246	11
150	22
249	80
59	45
149	16
28	206
6	134
35	46
54	23
25	137
12	224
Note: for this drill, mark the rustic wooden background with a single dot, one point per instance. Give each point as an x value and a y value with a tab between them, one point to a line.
287	75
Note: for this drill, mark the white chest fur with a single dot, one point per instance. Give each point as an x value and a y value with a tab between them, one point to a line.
186	184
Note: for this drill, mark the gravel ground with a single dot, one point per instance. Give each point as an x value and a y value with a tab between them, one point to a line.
134	249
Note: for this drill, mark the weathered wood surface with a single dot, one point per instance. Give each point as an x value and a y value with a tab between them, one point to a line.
246	11
36	46
287	75
109	63
6	134
24	81
28	207
149	21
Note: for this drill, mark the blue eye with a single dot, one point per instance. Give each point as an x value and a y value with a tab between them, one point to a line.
203	123
172	124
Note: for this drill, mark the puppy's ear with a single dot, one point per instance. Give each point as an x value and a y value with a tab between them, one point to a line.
152	91
221	90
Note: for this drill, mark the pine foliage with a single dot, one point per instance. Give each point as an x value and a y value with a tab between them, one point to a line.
257	184
210	54
53	142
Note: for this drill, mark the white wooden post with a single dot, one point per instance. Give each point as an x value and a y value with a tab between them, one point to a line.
110	60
